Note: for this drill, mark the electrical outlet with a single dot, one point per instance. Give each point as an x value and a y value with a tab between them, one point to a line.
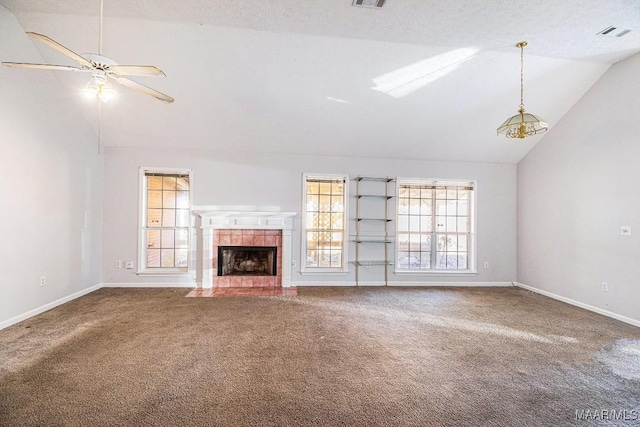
118	263
128	264
625	230
605	287
486	264
43	281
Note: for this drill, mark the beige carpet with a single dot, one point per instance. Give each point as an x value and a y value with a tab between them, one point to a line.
327	357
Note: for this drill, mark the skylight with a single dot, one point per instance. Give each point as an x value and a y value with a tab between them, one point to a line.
406	80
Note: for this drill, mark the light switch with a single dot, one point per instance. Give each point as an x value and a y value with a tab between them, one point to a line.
625	230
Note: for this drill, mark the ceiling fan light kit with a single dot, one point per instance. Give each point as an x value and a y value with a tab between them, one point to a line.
522	124
99	87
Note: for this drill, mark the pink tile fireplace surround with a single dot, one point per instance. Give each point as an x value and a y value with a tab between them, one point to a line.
247	237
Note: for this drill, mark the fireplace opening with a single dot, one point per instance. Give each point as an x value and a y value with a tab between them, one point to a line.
247	260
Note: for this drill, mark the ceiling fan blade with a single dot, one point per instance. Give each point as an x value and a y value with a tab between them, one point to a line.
142	88
42	66
136	70
57	46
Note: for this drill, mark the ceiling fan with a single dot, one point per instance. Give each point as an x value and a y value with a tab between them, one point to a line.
102	68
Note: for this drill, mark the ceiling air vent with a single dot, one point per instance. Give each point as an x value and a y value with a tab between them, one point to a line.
614	31
369	3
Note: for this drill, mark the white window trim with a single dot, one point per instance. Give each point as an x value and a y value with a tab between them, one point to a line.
472	263
304	270
142	212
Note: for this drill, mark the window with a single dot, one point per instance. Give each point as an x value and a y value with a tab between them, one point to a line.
435	226
165	221
324	238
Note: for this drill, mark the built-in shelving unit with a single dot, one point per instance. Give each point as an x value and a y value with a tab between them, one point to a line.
373	218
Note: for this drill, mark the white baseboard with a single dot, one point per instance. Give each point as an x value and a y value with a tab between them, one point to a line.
149	285
454	284
337	284
362	283
47	307
342	283
607	313
423	284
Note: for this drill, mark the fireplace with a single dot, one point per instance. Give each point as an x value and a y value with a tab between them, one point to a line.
247	260
228	227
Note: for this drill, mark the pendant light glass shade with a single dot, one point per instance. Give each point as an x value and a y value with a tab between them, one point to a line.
522	124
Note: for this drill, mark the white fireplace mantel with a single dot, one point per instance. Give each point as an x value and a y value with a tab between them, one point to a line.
212	218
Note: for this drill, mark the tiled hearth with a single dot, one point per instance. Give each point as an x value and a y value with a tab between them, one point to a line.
243	292
247	237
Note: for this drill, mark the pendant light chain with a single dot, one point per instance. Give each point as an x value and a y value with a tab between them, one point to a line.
522	76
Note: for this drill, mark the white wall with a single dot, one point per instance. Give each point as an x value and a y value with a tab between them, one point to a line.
51	187
258	179
576	188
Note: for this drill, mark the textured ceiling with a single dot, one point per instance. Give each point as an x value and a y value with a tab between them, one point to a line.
299	76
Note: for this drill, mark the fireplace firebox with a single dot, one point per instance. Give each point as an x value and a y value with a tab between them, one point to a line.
247	260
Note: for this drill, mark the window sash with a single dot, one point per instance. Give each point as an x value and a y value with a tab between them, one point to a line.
434	230
165	221
324	223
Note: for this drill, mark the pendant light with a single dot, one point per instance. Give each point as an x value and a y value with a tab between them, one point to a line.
522	124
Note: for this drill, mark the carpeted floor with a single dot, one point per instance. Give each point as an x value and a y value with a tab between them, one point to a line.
327	357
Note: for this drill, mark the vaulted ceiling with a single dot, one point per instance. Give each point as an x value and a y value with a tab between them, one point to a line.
415	79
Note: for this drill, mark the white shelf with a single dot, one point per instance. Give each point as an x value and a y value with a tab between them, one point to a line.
371	262
373	241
